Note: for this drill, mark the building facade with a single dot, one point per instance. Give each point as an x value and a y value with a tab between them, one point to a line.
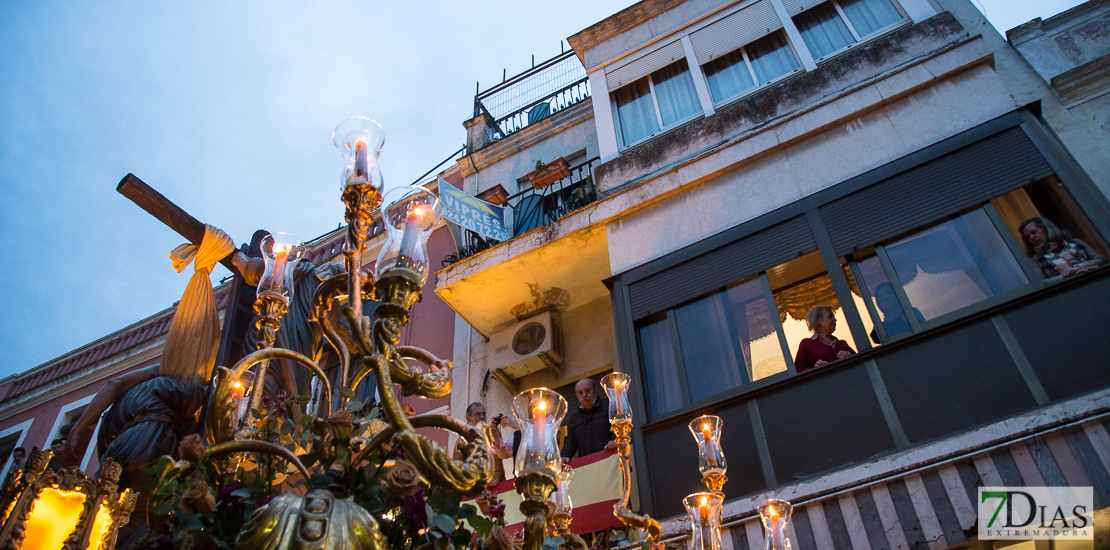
745	161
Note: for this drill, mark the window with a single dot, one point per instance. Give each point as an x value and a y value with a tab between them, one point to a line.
834	25
761	61
749	331
657	101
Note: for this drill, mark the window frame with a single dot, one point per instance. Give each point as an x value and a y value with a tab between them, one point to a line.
661	129
751	71
857	39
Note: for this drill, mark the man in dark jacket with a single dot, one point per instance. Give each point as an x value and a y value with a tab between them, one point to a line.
588	425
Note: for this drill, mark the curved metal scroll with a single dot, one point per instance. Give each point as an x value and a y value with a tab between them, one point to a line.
219	421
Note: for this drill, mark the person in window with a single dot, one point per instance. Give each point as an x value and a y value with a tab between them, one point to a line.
19	458
1057	256
894	321
475	415
588	426
822	348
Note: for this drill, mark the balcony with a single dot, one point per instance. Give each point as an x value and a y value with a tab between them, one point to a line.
534	208
535	94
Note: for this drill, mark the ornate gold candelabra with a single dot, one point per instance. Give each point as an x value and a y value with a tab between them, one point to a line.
620	421
409	214
539	412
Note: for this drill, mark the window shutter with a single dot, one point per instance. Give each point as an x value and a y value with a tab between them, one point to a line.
721	267
631	71
794	7
742	27
966	177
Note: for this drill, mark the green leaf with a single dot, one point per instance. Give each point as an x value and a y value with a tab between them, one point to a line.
480	524
467	510
347	392
444	523
306	420
241	492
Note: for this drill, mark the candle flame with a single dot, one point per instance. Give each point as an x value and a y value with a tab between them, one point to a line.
771	511
418	210
542	405
706	427
237	384
705	501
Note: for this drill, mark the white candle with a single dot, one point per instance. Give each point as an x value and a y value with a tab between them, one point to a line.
411	233
361	163
539	429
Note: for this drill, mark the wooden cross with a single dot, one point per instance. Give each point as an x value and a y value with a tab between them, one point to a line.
167	212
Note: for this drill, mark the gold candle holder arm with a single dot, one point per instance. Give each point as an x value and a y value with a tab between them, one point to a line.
621	509
534	488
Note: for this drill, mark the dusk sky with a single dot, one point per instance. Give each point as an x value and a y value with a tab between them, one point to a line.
227	109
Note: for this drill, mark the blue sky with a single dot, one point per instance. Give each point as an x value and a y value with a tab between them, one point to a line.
227	108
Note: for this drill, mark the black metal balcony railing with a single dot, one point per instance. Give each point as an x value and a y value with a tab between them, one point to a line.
534	94
533	208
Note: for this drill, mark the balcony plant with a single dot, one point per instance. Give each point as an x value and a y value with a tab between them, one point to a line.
546	174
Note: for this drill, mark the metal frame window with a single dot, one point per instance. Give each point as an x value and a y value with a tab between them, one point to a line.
673	101
834	26
725	74
19	431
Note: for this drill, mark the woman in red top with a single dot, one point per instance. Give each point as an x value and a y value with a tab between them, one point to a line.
822	348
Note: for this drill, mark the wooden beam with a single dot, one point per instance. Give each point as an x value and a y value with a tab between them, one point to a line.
166	212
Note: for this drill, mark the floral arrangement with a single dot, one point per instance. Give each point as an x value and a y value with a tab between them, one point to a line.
202	503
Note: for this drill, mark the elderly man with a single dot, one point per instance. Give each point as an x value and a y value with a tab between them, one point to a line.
475	415
588	426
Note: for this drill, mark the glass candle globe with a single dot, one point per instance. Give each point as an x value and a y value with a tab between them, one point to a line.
360	140
410	214
280	253
707	432
561	496
616	388
540	412
775	515
704	511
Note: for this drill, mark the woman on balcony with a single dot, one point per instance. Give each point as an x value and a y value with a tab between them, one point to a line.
1057	256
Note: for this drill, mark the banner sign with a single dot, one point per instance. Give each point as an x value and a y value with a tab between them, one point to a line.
1036	513
472	213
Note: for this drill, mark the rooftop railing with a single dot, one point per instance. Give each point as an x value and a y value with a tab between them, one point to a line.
534	94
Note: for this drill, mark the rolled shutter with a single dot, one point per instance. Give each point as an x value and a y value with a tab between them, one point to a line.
721	267
966	177
794	7
738	29
633	70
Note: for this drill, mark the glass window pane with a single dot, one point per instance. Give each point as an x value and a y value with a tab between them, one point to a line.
868	16
885	300
755	330
861	306
728	76
674	90
822	30
635	111
771	57
954	264
706	338
660	370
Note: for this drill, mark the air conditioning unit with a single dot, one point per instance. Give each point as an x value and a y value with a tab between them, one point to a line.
531	345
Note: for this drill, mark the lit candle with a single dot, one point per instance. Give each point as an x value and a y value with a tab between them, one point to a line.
539	429
776	531
703	511
361	163
710	445
411	233
281	253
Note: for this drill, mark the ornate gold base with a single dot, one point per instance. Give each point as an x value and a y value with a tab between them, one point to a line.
361	202
534	487
398	289
560	523
715	483
623	432
270	307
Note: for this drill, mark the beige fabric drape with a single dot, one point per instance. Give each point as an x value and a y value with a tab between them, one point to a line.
194	337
